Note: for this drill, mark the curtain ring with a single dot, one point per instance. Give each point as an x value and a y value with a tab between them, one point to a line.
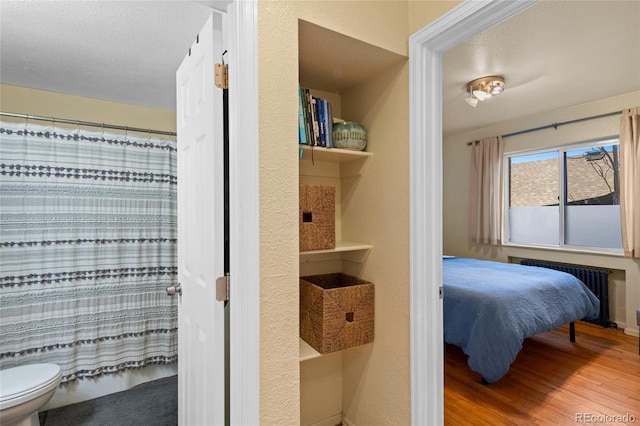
102	132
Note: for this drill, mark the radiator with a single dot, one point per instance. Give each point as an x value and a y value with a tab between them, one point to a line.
597	280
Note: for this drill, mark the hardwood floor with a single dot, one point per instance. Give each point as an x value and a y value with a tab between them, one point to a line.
551	382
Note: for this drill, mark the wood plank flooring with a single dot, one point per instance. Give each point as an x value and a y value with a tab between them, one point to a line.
551	382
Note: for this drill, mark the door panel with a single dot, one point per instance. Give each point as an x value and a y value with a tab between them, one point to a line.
201	384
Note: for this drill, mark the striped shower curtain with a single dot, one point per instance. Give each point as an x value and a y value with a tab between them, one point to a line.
87	247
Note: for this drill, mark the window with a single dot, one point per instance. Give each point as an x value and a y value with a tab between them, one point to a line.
565	197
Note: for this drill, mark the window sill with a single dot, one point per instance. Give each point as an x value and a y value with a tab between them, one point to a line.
570	249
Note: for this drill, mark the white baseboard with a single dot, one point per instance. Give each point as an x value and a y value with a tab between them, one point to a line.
331	421
86	389
632	331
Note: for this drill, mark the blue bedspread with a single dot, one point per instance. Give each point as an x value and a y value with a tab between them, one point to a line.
491	307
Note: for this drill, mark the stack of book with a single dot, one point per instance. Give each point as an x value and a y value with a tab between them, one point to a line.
315	120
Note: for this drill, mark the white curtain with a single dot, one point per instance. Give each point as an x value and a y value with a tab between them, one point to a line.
87	247
630	181
485	191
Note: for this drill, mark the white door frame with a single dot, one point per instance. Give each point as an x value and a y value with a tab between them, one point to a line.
241	42
242	58
425	146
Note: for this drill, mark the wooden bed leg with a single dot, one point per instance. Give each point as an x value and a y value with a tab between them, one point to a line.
484	382
572	331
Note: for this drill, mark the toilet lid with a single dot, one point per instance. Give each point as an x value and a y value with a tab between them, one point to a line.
17	381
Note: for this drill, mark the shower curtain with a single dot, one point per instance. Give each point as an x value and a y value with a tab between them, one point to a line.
87	246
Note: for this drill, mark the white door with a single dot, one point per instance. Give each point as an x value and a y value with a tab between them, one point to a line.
201	366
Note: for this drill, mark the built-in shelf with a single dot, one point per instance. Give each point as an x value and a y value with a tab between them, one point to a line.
341	247
334	155
321	50
307	352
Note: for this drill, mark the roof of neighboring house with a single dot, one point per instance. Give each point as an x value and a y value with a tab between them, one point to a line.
535	183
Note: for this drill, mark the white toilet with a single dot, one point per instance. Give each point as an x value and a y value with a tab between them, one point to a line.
24	390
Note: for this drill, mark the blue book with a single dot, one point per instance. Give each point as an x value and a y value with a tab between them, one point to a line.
321	123
328	124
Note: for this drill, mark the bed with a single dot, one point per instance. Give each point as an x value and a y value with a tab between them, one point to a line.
491	307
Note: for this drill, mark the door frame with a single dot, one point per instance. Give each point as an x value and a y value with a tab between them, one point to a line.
244	235
426	47
240	38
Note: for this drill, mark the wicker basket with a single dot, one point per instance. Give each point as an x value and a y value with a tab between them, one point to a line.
317	217
336	312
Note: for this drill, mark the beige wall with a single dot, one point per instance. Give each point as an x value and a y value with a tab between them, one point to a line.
50	104
625	288
376	378
422	13
278	176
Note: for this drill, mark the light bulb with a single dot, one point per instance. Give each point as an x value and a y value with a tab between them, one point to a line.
481	95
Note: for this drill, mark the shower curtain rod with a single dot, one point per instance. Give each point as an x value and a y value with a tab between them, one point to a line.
554	125
87	123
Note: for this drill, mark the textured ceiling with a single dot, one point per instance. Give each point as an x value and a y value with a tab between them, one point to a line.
124	51
554	54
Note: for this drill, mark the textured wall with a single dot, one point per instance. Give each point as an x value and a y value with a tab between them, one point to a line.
422	13
376	378
278	109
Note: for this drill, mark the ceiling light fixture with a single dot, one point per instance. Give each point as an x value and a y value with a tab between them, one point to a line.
484	88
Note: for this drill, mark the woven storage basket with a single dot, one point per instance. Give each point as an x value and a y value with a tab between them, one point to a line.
336	312
317	217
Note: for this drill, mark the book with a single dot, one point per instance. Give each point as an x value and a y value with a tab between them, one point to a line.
321	121
305	108
302	130
308	116
328	117
315	120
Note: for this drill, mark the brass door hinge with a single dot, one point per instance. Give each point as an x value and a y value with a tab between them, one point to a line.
222	288
222	76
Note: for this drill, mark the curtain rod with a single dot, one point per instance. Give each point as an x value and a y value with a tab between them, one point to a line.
87	123
554	125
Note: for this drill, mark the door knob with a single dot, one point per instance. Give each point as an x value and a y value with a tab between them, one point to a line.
174	289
